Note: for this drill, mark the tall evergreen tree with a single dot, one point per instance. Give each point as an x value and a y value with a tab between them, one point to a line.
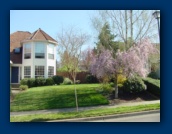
106	38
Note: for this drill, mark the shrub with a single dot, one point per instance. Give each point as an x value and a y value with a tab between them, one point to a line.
133	85
91	79
31	82
121	79
105	89
24	81
23	87
40	81
67	81
78	81
153	86
58	79
49	81
112	84
153	75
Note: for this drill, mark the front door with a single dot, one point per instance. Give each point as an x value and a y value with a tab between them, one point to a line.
15	75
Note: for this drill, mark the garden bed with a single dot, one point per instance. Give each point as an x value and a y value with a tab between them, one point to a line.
137	97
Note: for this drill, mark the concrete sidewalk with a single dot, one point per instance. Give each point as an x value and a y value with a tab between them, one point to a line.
81	108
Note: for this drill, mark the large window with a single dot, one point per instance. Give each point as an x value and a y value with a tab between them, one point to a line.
39	71
27	51
27	71
50	71
39	50
50	51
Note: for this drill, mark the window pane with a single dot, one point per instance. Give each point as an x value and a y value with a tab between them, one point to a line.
27	55
51	48
27	51
39	71
50	71
39	55
39	50
27	48
27	71
50	56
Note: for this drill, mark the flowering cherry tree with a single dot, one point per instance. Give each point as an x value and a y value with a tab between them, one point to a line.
130	62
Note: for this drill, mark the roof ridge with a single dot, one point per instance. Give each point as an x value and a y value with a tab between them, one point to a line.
34	34
43	33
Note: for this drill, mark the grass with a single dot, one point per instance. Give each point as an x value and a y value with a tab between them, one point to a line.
88	113
153	86
61	96
155	82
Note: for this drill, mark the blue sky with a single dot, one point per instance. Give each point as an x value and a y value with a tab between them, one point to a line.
52	21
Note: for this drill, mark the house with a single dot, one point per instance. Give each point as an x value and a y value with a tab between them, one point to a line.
32	55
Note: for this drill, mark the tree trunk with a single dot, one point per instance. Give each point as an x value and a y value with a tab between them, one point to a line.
116	88
116	91
131	23
126	32
76	99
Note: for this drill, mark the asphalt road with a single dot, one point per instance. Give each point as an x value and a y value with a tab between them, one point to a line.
153	117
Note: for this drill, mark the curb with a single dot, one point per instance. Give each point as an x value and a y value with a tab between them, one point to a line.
106	117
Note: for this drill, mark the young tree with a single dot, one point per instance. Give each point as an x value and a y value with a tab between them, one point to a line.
128	63
86	57
70	43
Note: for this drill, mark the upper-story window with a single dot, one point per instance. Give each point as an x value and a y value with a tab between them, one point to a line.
27	51
50	51
39	50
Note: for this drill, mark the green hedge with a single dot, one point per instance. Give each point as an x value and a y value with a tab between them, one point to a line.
32	82
91	79
153	85
58	79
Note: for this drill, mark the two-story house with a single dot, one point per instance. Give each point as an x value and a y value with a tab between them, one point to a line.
32	55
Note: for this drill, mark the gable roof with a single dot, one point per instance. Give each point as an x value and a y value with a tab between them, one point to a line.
17	38
15	42
40	35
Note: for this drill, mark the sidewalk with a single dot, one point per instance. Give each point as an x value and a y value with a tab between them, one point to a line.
81	108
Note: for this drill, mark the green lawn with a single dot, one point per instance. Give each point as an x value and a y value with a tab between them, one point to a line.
60	96
87	113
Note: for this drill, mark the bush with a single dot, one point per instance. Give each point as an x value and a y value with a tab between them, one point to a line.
133	85
23	87
112	84
153	75
24	81
49	81
31	82
91	79
58	79
67	81
153	86
78	81
121	79
105	89
40	81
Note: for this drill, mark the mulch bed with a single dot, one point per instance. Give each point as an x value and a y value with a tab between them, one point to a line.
137	97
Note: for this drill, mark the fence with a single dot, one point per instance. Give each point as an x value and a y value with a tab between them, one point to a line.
80	76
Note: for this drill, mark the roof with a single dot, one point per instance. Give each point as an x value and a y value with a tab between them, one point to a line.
17	38
15	42
40	35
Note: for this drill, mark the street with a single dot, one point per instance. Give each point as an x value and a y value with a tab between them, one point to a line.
154	117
